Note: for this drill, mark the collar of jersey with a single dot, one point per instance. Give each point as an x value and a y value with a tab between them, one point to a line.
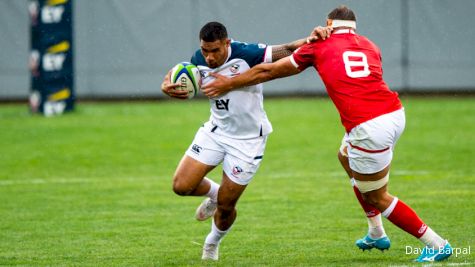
229	52
341	31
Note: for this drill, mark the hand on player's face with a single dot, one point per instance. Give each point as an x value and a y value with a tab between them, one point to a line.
320	32
169	88
217	87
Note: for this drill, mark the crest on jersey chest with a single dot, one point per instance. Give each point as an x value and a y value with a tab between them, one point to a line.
234	68
204	74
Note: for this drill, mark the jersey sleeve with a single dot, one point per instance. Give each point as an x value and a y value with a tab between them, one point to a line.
253	54
303	57
197	59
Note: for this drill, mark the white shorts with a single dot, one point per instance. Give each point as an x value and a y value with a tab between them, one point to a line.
370	145
241	157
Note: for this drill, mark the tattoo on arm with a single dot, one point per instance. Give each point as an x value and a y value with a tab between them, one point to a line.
279	52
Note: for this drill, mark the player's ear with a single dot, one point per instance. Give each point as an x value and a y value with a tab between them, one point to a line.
228	42
329	22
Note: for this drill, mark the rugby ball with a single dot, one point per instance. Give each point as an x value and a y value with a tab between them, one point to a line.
188	76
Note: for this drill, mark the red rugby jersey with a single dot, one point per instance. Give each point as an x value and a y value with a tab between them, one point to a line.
351	69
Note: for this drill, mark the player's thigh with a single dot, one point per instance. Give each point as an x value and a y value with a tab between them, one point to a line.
229	193
190	172
371	144
240	171
237	174
202	156
343	155
243	159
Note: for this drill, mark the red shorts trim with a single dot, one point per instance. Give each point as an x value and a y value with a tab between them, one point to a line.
368	150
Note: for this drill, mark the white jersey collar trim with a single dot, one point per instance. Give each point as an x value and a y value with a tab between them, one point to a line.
229	52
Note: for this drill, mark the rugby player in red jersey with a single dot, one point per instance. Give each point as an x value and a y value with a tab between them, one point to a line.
350	66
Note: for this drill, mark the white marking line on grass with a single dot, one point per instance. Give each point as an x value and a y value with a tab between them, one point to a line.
301	175
195	243
74	180
339	174
408	172
47	181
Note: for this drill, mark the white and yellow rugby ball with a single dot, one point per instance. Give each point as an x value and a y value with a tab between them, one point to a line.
188	76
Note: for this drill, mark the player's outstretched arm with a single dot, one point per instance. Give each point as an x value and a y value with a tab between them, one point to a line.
169	88
257	74
284	50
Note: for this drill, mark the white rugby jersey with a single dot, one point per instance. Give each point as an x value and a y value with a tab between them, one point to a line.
239	113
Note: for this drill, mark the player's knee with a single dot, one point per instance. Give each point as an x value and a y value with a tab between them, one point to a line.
180	190
376	198
372	198
180	187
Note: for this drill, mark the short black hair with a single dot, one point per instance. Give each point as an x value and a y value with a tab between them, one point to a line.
213	31
342	12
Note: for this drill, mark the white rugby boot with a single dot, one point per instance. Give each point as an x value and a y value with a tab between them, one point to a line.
206	209
210	252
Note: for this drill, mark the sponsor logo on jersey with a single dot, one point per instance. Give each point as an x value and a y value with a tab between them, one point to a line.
204	74
196	148
237	170
234	68
222	104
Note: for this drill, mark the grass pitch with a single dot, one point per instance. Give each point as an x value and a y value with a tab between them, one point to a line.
93	188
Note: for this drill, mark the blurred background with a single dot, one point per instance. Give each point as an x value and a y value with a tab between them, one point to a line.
122	49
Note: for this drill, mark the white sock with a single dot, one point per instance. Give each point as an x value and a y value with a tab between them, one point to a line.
432	239
213	190
215	236
375	227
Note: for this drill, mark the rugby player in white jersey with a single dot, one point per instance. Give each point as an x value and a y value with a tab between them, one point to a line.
236	132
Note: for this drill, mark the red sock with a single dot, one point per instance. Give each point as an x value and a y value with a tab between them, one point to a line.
405	218
369	210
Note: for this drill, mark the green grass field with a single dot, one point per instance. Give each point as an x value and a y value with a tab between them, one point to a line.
93	188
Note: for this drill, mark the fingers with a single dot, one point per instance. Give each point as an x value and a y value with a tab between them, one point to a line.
210	92
216	87
178	94
328	30
170	90
166	87
215	75
312	39
320	32
210	89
